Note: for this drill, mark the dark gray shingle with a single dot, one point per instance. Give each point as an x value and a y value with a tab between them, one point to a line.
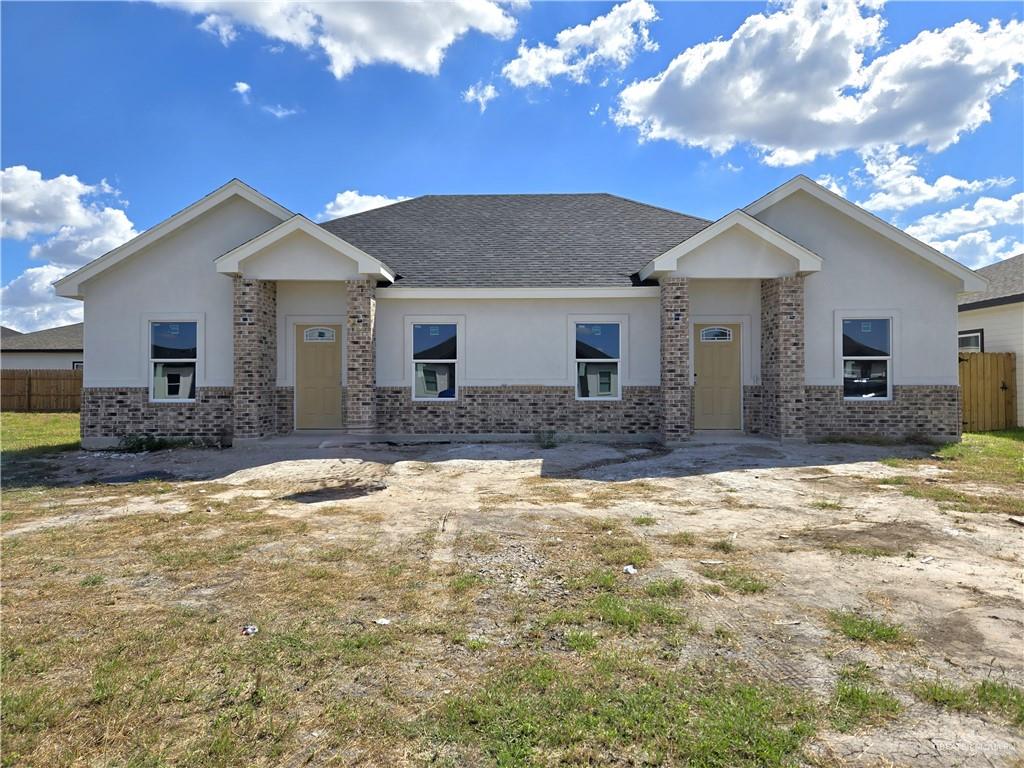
1006	280
67	338
581	240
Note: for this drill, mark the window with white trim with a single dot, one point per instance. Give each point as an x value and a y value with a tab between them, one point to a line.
970	341
597	361
435	356
867	358
173	352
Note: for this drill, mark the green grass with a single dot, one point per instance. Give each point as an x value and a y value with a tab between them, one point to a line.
988	457
464	582
681	539
32	434
736	579
580	640
858	701
985	696
667	588
867	629
537	712
644	520
826	504
996	457
723	545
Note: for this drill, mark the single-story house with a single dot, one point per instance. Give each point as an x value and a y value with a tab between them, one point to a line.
992	320
51	348
800	316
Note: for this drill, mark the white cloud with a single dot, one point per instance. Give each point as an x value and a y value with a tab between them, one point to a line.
966	233
71	223
795	84
983	213
610	40
278	111
832	183
220	27
30	304
481	94
243	90
351	201
978	249
900	186
414	36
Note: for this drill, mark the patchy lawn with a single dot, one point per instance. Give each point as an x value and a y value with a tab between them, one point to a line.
37	433
468	605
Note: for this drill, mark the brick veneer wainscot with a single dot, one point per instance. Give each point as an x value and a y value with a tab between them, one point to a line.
519	410
255	351
676	389
116	412
930	412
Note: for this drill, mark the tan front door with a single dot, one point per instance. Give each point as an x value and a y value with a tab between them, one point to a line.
318	377
716	367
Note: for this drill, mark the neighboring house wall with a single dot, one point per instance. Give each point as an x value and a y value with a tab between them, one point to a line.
39	360
1004	332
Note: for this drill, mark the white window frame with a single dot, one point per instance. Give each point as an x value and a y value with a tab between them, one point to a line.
412	322
889	371
148	322
620	368
967	334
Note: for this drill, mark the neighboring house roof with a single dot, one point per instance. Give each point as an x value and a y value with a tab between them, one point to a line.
586	240
1005	285
66	338
6	333
970	279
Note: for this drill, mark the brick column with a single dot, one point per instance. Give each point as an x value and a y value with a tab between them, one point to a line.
676	389
782	357
255	344
361	357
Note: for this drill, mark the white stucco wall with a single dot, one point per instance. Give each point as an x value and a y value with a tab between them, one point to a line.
299	257
39	360
1004	332
732	301
301	303
736	253
866	273
173	279
518	341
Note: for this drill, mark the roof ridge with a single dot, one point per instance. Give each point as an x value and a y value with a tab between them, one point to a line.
657	207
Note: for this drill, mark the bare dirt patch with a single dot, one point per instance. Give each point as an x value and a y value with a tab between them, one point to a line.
467	605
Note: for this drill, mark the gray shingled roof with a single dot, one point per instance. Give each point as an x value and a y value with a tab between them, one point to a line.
66	338
1006	283
583	240
6	333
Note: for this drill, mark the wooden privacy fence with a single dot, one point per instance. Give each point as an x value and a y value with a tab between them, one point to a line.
40	390
988	388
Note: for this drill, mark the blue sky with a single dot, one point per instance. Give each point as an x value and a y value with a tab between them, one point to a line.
138	103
